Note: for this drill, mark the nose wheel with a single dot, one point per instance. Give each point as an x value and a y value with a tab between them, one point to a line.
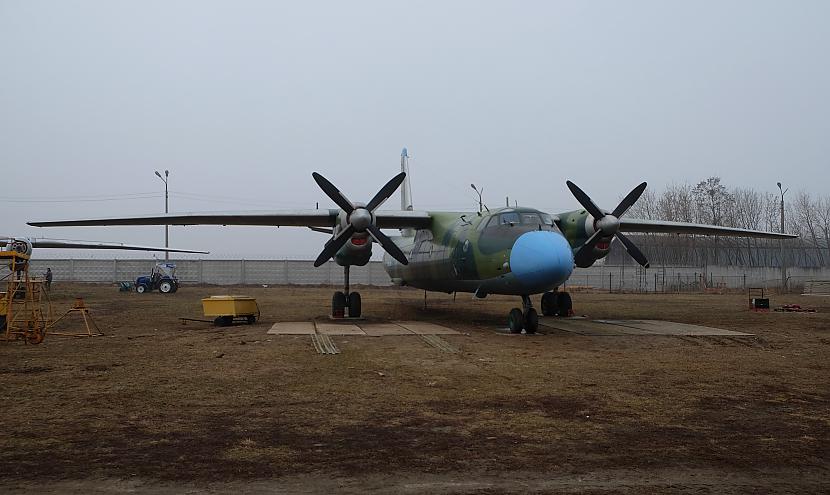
526	319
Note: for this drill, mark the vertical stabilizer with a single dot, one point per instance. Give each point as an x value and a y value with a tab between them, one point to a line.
406	191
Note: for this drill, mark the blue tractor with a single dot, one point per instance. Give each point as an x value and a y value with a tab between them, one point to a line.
162	277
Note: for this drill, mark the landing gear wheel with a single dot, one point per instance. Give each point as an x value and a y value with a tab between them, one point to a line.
354	305
166	287
516	320
564	305
141	289
338	304
223	321
549	307
531	321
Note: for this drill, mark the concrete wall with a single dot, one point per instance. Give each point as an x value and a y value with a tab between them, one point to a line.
229	272
219	272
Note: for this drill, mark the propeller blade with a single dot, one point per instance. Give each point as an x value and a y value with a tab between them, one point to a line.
629	200
633	250
585	201
386	191
334	245
388	245
584	257
333	193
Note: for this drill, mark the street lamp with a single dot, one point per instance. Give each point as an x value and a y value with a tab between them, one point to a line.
479	195
783	265
166	227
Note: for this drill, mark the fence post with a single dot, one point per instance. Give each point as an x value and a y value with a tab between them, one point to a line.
115	270
242	271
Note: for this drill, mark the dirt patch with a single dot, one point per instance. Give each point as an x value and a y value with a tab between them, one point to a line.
152	400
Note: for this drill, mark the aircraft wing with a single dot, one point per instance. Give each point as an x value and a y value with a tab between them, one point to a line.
666	227
61	243
284	218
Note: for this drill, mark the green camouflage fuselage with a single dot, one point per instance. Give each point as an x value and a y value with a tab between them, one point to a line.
471	252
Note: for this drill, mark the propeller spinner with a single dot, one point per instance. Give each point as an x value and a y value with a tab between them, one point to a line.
360	219
607	225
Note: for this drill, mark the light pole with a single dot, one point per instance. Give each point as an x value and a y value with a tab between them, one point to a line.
166	227
479	195
783	264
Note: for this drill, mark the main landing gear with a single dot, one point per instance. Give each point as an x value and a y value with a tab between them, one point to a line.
553	304
344	303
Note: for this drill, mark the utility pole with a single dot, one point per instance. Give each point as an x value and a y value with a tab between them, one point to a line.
783	263
166	227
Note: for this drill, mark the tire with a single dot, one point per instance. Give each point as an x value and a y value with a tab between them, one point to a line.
166	287
564	304
549	303
354	305
223	321
141	289
338	304
175	287
531	321
251	319
515	320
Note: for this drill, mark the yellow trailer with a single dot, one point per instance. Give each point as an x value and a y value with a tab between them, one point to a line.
225	309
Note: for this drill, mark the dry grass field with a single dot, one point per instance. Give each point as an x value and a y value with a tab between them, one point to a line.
155	406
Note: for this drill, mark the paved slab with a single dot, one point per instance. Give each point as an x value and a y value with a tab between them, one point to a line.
384	329
292	328
338	329
584	326
660	327
421	328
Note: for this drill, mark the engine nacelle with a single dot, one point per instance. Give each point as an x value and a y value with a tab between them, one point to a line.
22	246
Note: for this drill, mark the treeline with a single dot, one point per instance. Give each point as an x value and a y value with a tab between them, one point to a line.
711	202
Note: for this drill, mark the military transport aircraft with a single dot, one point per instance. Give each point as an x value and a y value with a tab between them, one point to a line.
25	245
515	251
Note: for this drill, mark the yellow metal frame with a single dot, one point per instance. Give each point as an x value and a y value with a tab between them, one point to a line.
25	317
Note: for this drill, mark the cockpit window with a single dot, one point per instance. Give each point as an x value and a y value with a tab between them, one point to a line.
530	219
509	218
546	219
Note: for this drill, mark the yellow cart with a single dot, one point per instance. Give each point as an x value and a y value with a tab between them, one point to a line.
226	309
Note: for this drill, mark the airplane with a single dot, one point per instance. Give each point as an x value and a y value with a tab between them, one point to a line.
25	245
513	250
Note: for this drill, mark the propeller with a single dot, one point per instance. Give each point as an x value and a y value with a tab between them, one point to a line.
607	225
360	219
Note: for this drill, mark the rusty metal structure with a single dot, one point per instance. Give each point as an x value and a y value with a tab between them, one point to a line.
25	309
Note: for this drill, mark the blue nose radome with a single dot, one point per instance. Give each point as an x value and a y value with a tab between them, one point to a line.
541	260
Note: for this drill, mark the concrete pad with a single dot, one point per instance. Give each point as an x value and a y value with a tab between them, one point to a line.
634	327
659	327
582	326
292	328
421	328
338	329
383	329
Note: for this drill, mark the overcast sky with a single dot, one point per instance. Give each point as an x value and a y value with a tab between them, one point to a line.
241	101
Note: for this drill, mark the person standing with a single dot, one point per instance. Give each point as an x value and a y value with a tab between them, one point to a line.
48	277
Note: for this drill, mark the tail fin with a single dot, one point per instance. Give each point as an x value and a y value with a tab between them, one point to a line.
406	192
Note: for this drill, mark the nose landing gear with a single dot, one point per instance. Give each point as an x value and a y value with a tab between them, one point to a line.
526	318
